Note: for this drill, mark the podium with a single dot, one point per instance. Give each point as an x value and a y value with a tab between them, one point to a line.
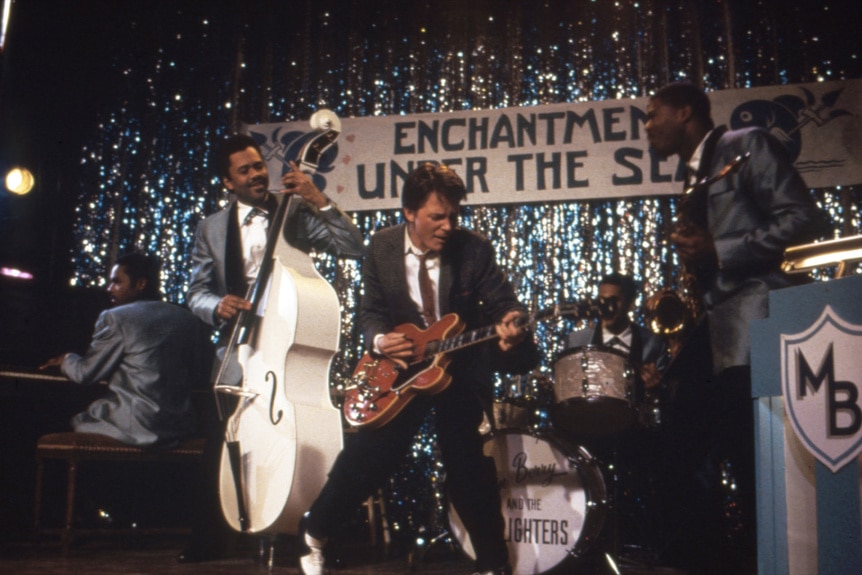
806	360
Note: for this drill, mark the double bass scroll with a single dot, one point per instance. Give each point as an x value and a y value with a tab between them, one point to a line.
284	421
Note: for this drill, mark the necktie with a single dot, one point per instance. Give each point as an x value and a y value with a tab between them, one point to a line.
427	291
254	231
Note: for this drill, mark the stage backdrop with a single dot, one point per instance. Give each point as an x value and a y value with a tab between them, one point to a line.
571	151
188	72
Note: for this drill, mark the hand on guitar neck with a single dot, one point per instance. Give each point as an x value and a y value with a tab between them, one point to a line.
511	330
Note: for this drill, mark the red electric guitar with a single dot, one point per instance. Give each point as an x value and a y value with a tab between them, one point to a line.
380	388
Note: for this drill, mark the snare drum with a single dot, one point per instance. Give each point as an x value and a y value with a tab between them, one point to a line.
553	501
594	389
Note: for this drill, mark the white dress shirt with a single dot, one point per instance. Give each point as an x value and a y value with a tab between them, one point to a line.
253	226
412	256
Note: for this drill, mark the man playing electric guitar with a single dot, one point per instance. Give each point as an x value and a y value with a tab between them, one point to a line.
460	276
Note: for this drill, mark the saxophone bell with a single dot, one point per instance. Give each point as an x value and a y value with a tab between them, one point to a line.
667	312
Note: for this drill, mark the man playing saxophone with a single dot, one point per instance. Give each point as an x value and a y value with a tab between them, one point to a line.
738	227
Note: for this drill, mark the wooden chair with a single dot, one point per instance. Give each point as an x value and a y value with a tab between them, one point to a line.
75	448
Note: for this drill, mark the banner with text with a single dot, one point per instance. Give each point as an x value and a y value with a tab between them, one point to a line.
565	152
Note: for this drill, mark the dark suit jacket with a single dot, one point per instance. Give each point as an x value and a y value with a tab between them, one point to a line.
471	285
753	216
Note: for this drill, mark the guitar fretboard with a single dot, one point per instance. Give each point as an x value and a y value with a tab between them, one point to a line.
586	309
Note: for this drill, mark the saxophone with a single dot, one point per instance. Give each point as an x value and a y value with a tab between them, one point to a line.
690	295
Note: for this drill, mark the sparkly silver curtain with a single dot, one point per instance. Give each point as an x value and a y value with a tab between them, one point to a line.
147	178
146	174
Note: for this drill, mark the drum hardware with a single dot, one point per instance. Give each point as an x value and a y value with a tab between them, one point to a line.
650	416
522	403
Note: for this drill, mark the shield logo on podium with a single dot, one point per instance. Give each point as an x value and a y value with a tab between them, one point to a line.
821	380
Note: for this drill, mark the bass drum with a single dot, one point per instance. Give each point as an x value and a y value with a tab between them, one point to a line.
553	501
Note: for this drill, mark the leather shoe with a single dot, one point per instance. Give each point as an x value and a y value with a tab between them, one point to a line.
311	560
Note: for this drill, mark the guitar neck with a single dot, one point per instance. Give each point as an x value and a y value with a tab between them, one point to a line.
463	340
472	337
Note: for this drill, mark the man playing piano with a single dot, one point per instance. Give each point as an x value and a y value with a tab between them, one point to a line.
151	354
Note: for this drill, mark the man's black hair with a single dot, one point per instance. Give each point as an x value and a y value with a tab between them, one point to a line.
231	145
627	285
681	94
139	266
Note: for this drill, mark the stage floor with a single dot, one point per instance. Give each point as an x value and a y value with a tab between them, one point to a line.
156	555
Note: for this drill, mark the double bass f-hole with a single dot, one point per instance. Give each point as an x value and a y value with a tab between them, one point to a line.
270	375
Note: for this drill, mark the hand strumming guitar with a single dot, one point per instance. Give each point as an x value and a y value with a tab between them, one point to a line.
396	346
510	331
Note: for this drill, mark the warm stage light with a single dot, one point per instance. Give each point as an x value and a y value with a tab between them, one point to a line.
19	181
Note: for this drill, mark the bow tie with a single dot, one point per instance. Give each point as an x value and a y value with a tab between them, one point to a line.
617	343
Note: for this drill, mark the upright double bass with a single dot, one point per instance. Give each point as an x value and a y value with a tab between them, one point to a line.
284	434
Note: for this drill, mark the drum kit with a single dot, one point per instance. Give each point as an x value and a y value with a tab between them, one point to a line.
559	501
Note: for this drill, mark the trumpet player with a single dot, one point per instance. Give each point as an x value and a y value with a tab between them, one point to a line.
735	231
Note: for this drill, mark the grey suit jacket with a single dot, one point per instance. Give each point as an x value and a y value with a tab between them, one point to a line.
152	354
471	285
753	216
329	230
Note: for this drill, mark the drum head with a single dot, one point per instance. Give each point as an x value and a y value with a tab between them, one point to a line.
594	389
597	349
553	500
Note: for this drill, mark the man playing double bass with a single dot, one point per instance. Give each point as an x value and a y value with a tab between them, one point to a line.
226	256
459	273
227	249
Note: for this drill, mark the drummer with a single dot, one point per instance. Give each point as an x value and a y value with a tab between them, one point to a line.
632	452
646	352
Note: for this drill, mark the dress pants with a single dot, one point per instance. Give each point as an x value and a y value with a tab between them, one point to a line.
370	456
